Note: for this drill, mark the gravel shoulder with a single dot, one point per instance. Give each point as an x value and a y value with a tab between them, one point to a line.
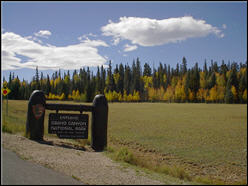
85	165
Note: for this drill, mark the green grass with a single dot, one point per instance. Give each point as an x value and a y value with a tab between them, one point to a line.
76	178
204	134
125	155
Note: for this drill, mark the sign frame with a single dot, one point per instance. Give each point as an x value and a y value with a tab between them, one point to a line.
69	126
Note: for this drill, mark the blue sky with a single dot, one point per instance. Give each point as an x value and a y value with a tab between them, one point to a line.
69	35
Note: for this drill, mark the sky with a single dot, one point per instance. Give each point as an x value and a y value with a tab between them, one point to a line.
69	35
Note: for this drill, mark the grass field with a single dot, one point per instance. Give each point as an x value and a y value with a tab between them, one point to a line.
206	133
203	139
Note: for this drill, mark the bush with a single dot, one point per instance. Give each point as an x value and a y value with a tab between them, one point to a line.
124	155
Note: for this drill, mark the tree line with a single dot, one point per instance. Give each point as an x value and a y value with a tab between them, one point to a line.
226	83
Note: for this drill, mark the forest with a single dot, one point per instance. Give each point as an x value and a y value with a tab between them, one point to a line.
226	83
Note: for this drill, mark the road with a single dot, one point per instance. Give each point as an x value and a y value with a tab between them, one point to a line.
16	171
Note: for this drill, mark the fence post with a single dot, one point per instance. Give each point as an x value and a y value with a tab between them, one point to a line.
99	123
35	115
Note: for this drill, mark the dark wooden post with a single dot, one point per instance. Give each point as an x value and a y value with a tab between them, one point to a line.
35	116
99	123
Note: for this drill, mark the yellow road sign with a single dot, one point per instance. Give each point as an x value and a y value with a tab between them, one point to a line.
5	91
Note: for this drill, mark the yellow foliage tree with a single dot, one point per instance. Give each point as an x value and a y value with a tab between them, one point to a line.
201	94
174	81
49	95
147	81
53	96
62	96
129	97
125	95
213	94
180	94
191	95
160	93
116	77
109	96
220	93
120	99
220	80
234	92
245	95
136	96
203	81
115	96
169	94
73	94
152	94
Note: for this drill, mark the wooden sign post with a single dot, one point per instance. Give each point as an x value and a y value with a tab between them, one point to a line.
35	115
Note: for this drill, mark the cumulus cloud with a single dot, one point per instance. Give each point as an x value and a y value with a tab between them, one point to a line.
152	32
43	33
49	56
129	48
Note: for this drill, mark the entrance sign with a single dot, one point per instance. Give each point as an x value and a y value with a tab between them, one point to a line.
73	126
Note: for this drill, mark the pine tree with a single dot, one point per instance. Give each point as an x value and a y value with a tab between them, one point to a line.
121	80
147	70
37	79
127	79
184	66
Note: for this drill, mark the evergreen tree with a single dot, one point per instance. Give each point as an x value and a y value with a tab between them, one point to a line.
103	79
127	79
147	70
121	80
212	80
37	79
98	80
184	65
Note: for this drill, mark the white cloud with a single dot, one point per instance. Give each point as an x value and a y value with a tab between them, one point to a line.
85	36
152	32
116	41
94	43
128	48
43	33
34	39
48	57
93	35
224	26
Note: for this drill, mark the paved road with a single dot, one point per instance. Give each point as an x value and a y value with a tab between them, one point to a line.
16	171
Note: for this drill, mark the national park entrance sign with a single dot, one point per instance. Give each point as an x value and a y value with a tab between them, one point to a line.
65	125
72	126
